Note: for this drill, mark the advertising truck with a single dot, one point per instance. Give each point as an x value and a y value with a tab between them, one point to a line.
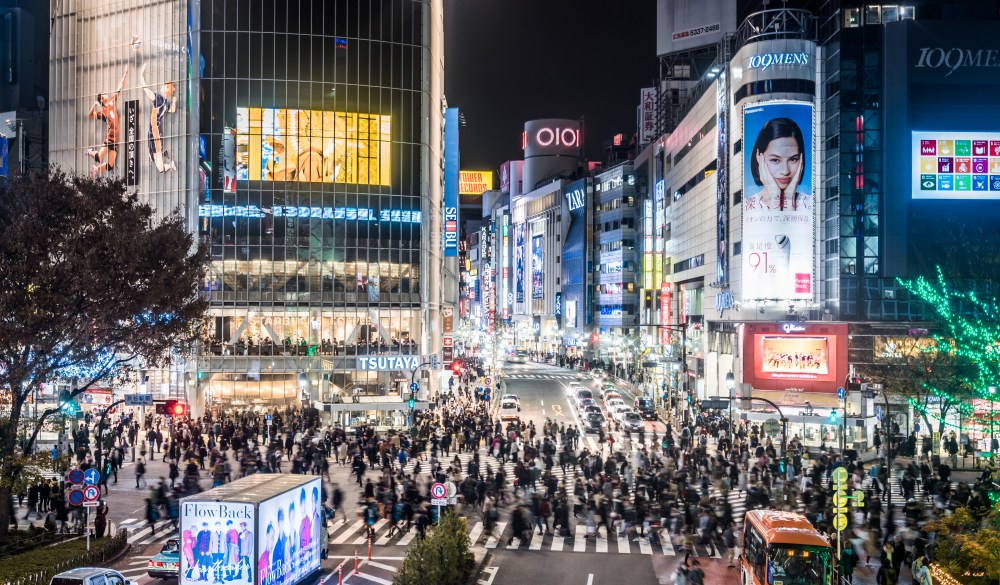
262	529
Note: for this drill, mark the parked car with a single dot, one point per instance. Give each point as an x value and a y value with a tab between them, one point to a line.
90	576
633	422
645	408
166	563
594	422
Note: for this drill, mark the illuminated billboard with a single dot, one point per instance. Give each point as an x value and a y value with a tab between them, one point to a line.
288	546
474	182
231	524
955	165
312	146
778	202
537	267
519	262
795	356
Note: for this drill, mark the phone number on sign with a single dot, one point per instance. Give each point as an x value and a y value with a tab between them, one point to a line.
694	32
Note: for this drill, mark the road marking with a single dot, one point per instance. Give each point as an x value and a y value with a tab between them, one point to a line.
602	544
364	538
580	542
644	546
493	540
477	531
543	402
557	410
666	544
493	575
368	577
389	568
543	411
557	543
346	534
407	538
623	546
590	579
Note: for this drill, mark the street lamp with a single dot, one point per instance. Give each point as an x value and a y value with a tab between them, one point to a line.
731	385
993	391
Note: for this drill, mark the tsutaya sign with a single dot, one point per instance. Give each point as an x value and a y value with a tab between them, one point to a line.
389	362
765	60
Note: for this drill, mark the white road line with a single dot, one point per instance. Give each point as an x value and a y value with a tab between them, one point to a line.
346	534
493	540
407	538
580	542
543	402
364	538
590	579
644	546
368	577
602	544
623	546
666	544
493	575
477	531
384	539
557	543
536	542
389	568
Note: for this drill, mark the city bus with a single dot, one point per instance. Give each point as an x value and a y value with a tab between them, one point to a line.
783	548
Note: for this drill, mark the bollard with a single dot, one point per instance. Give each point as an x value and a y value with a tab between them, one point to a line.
369	548
340	574
355	561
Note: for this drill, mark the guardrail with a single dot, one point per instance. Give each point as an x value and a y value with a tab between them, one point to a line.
109	550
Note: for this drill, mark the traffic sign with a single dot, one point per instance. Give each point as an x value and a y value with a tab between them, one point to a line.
488	381
91	476
75	476
439	501
841	393
840	521
414	387
91	493
90	504
839	475
138	400
859	499
75	497
267	417
450	490
438	491
879	413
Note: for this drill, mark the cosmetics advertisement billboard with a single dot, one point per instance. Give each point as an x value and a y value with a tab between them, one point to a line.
778	202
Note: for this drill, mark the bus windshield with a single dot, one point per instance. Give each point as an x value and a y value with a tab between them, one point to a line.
797	565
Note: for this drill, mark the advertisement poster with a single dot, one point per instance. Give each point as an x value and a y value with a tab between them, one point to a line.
796	356
778	202
519	262
956	165
312	146
216	543
537	268
288	543
229	160
132	143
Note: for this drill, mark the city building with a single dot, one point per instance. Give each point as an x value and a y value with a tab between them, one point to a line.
796	197
303	146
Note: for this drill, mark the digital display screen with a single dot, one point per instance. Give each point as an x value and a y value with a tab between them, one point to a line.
289	547
312	146
795	356
956	165
216	540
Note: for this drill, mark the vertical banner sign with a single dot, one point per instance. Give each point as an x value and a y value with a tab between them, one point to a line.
132	143
647	115
451	160
519	262
559	310
505	177
448	315
778	203
537	268
722	180
4	147
664	313
229	160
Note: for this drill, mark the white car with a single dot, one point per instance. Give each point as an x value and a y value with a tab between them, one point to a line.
509	410
613	402
512	397
618	412
613	396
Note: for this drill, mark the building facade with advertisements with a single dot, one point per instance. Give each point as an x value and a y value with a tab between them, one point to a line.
302	165
804	174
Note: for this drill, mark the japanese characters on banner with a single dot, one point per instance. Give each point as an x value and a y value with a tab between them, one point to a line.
778	202
647	115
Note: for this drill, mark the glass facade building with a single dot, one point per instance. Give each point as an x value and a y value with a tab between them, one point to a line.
297	141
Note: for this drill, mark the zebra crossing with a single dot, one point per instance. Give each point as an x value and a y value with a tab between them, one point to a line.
535	376
142	534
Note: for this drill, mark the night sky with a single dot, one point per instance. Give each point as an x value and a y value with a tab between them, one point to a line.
509	61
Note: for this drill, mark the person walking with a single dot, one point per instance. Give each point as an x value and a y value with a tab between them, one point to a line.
140	471
101	519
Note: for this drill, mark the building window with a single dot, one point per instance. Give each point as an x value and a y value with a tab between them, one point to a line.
852	17
737	248
873	15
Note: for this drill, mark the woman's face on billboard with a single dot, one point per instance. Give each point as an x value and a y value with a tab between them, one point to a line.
782	159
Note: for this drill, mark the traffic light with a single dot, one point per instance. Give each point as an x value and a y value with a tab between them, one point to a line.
67	405
412	403
594	338
172	408
456	368
781	466
833	417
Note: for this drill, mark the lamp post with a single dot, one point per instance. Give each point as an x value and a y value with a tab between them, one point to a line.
731	385
993	391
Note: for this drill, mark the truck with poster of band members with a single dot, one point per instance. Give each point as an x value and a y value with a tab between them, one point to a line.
262	529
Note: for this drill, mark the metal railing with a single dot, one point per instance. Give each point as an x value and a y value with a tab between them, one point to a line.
781	23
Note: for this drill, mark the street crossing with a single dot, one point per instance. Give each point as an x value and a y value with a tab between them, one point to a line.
534	376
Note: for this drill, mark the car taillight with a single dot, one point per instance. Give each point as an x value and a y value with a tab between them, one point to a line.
155	564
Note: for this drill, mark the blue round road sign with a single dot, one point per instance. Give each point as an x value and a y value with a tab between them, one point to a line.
414	386
75	497
75	476
91	476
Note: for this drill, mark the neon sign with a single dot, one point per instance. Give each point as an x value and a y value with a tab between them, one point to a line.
344	213
793	327
766	60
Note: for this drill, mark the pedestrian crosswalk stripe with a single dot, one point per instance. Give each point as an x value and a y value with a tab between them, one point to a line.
557	543
477	531
494	538
602	544
580	542
644	547
623	546
406	538
345	535
364	537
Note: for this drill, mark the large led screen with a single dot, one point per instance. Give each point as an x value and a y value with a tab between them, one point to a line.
537	268
955	165
778	201
519	262
312	146
288	544
217	541
795	356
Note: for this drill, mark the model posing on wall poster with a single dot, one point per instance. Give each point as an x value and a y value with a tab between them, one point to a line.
163	101
106	108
